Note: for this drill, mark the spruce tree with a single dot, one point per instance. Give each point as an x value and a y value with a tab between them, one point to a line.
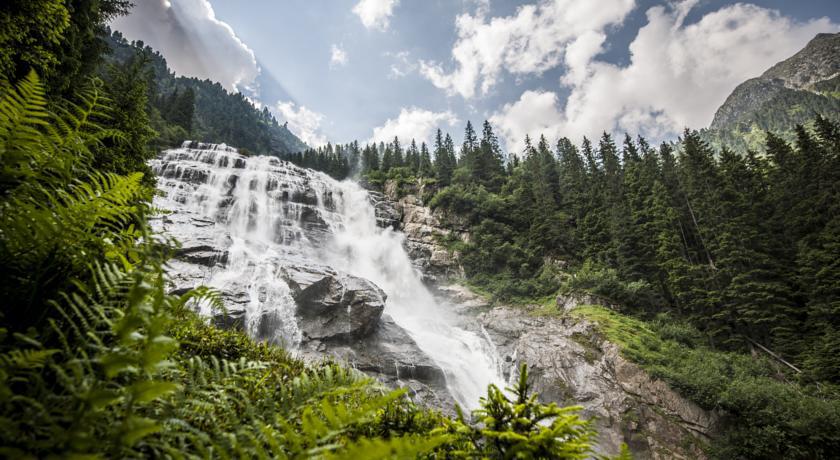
443	164
412	157
486	165
388	161
397	152
468	148
425	168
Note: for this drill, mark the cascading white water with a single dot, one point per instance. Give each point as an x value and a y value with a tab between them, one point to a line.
269	214
362	248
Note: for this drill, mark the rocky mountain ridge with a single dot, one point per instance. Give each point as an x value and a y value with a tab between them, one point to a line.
793	91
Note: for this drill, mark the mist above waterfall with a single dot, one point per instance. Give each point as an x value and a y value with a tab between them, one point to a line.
268	215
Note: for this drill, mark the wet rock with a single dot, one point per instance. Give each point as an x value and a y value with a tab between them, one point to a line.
393	357
387	214
202	254
304	196
313	223
333	306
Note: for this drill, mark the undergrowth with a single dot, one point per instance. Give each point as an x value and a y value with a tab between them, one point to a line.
764	412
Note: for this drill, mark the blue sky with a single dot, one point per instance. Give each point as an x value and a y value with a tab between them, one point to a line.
373	69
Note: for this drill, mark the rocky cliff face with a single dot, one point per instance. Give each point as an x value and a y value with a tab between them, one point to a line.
571	363
428	234
817	62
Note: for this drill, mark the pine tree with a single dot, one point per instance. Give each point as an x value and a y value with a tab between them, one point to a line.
182	110
126	87
676	274
636	248
425	168
755	300
412	157
547	174
443	164
468	148
484	164
388	158
397	152
445	160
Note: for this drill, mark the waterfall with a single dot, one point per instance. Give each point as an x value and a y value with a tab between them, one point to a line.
362	248
268	214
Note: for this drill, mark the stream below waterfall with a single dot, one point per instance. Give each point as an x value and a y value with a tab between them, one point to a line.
257	215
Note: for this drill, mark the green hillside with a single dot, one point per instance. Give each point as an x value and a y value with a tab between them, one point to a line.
792	92
188	108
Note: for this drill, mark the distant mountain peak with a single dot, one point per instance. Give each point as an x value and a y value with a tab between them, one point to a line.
793	91
818	61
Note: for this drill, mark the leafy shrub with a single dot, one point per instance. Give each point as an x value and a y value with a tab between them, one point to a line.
605	283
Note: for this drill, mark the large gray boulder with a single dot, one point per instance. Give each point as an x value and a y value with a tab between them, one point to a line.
394	358
333	306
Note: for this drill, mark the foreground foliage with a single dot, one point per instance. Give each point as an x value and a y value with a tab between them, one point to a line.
520	428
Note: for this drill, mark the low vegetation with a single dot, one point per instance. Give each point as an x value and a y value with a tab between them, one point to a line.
765	413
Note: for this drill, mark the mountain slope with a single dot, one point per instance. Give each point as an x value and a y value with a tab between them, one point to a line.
212	114
791	92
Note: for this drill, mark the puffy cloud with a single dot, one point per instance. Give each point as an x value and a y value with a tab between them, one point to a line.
413	122
375	14
677	76
529	42
194	42
535	113
303	122
338	57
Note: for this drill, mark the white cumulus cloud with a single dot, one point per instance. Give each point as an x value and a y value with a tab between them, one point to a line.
535	113
531	41
303	122
338	57
677	76
375	14
194	42
413	122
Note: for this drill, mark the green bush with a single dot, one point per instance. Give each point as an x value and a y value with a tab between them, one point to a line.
606	284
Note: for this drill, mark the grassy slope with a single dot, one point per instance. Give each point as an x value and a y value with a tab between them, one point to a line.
765	414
